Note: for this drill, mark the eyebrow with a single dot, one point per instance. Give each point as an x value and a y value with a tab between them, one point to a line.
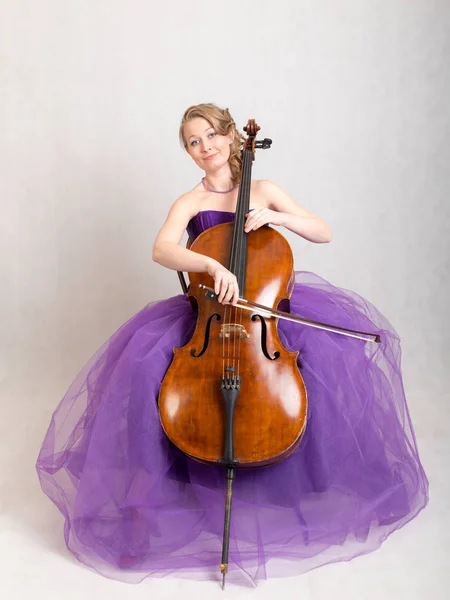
205	131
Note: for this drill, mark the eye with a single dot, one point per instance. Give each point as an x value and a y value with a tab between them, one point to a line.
195	142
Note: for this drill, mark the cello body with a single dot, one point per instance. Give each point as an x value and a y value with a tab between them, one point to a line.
270	413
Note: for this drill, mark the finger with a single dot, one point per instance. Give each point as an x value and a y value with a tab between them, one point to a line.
229	293
217	283
250	219
256	225
254	219
223	290
250	224
261	219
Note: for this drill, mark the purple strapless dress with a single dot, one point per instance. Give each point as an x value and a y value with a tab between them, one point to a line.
135	506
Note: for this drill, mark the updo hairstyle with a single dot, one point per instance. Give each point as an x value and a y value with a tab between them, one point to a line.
222	122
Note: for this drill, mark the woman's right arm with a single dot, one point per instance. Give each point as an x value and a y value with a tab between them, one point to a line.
168	253
166	249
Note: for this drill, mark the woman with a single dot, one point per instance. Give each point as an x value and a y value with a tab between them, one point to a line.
219	157
135	506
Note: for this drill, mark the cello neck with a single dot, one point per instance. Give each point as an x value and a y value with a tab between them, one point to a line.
238	253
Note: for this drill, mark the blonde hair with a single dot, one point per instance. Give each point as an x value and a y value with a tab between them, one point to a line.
222	122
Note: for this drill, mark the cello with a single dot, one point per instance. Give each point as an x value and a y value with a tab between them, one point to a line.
234	396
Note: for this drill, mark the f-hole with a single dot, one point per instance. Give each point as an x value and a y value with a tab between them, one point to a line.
206	338
276	354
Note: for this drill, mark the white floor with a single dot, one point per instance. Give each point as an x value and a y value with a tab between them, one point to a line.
34	562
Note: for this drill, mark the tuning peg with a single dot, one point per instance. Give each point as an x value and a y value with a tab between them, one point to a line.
264	144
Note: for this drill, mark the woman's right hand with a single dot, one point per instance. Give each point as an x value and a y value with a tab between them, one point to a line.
225	283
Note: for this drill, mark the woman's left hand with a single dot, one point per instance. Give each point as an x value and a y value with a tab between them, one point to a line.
262	216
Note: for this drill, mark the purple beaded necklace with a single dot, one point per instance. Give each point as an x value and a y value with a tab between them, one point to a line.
216	191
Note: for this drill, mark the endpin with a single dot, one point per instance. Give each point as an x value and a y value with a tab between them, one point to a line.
223	569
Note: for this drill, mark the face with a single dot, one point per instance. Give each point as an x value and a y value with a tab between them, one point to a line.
208	149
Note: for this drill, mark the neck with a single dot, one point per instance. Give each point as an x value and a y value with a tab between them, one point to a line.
220	180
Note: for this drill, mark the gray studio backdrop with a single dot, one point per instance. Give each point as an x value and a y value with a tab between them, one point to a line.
355	98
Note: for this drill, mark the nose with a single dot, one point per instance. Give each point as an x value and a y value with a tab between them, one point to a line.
206	146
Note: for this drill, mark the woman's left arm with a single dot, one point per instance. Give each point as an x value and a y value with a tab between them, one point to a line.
284	210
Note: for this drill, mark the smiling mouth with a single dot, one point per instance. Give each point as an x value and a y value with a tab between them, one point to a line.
210	157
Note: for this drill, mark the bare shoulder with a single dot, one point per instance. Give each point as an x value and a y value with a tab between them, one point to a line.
188	203
267	187
276	198
259	193
180	213
267	193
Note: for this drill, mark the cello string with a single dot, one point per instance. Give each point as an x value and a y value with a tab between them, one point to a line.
226	334
241	245
229	314
246	175
238	252
239	261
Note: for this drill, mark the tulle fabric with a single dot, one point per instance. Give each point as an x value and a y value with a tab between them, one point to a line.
135	506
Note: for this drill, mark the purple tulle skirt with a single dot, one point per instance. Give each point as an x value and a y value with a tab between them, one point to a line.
135	506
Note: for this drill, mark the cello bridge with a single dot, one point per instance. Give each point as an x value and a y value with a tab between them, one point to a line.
234	330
